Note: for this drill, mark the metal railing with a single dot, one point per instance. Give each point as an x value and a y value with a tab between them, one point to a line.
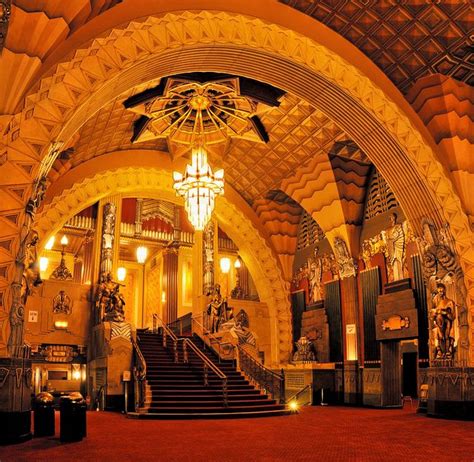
167	332
187	345
210	340
208	366
139	373
269	381
182	325
296	395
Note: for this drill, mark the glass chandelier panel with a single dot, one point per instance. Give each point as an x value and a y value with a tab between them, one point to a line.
199	187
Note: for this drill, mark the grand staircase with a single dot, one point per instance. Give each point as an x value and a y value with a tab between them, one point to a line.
177	389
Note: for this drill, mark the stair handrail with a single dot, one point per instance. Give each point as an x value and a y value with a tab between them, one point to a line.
167	332
296	395
256	371
139	372
178	323
207	335
207	365
270	381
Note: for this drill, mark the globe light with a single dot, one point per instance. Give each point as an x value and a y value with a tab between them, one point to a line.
142	254
64	240
225	265
121	273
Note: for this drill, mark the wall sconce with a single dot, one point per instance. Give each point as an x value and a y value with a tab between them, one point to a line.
163	297
44	262
121	273
60	324
225	265
76	372
50	243
142	254
62	272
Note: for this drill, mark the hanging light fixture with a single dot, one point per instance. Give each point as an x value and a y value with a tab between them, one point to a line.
199	187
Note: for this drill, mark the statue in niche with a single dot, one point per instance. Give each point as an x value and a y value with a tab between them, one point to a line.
109	302
218	310
443	315
394	238
315	277
345	262
62	303
441	267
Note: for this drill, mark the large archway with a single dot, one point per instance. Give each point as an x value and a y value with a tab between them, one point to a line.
231	212
238	44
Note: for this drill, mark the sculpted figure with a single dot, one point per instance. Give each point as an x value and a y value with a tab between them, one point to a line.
315	277
217	310
443	315
31	274
109	302
394	237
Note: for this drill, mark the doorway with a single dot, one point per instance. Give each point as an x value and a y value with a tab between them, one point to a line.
409	374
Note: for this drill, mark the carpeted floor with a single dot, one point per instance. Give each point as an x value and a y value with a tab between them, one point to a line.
317	433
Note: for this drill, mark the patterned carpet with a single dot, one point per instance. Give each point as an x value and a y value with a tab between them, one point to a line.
317	433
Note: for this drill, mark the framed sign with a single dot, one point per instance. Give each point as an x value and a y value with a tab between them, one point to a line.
32	316
126	376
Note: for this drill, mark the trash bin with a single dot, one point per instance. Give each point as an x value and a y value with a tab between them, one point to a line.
72	418
44	414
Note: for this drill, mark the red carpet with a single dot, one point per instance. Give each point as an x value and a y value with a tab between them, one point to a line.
317	433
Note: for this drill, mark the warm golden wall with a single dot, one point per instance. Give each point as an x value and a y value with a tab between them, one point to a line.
43	331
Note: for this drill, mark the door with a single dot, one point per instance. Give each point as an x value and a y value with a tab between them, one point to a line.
409	374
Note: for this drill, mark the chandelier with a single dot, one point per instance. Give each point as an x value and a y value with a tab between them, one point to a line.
199	187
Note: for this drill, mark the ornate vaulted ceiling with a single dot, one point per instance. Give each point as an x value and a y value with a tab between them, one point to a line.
407	40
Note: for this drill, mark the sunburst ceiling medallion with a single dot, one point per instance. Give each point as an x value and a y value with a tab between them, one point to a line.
190	111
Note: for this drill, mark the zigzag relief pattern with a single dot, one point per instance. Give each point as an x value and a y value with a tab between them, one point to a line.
445	106
314	187
281	220
36	29
257	254
394	145
351	178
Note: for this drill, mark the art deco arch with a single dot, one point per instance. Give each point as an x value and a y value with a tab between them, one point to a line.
210	41
233	218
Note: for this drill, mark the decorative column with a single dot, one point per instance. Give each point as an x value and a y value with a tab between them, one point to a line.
209	249
170	283
350	319
138	217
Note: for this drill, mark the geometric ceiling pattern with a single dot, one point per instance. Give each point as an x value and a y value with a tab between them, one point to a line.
297	131
407	40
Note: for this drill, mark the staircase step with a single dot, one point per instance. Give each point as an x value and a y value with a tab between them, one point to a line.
176	389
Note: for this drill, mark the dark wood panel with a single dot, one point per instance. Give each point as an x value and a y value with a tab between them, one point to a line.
391	378
332	303
370	282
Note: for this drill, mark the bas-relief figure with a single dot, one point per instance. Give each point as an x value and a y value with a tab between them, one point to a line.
28	268
208	257
315	277
395	249
62	303
345	262
304	350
